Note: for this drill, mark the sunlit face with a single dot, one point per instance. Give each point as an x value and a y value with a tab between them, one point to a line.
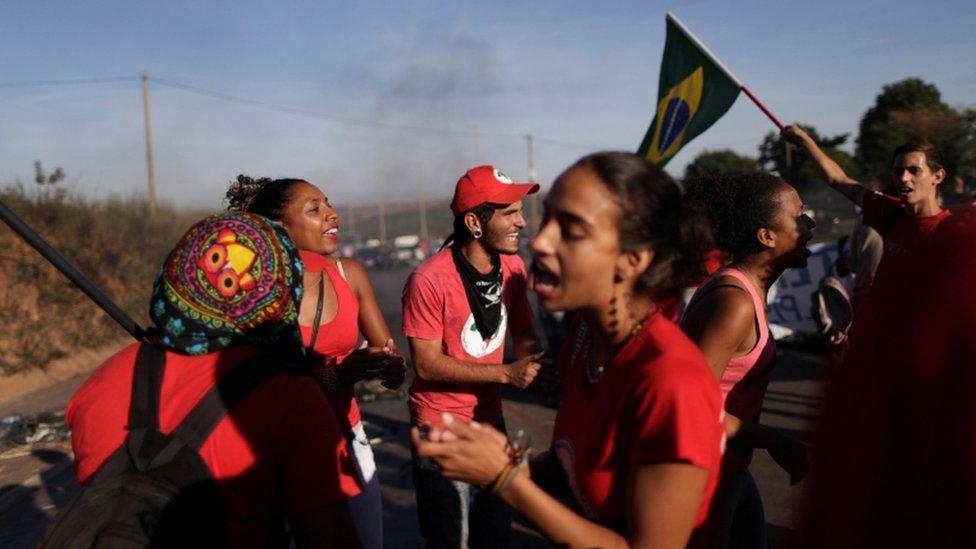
501	234
578	244
792	227
914	181
310	220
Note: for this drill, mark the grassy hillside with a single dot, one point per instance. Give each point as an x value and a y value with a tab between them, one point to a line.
112	241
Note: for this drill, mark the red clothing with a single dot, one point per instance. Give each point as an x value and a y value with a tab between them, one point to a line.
903	233
672	307
746	377
279	448
435	307
897	437
337	337
656	402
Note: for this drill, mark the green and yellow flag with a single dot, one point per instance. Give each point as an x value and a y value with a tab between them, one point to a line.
694	91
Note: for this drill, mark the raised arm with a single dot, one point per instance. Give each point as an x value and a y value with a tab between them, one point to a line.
836	176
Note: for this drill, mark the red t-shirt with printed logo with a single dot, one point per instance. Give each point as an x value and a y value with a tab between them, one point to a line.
656	402
278	448
435	307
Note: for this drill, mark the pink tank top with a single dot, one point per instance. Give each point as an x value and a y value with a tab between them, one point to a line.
337	337
746	377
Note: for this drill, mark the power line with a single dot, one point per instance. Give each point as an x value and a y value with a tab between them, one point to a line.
355	122
326	116
68	81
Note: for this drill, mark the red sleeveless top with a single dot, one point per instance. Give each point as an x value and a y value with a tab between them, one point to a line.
337	337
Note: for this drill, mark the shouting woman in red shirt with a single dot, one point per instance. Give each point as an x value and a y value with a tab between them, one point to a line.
638	435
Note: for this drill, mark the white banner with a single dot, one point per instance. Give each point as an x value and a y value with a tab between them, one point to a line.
788	311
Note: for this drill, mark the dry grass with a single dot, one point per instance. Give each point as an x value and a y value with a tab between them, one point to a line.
44	317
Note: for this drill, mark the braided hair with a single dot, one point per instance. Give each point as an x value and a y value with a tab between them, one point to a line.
263	196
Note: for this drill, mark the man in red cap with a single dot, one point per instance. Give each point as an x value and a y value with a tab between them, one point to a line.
457	307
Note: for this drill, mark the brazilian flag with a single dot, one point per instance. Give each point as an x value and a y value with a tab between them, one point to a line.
694	91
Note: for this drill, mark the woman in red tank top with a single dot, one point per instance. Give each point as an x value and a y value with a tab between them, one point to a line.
338	305
759	221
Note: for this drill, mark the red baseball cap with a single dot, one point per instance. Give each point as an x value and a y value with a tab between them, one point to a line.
484	184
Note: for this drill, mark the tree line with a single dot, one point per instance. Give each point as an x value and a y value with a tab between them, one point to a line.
908	109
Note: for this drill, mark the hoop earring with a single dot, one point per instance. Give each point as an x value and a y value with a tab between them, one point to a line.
476	233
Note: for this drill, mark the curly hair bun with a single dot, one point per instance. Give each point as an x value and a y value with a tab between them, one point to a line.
735	208
242	192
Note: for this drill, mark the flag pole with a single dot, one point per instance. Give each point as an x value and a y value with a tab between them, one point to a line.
721	66
74	275
762	107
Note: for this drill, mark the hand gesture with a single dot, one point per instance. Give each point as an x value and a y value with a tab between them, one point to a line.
791	455
470	452
394	371
547	382
369	363
523	371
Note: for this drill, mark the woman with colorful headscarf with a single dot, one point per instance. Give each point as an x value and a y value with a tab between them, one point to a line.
229	292
339	304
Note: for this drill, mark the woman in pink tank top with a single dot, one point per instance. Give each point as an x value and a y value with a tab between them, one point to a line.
759	221
337	306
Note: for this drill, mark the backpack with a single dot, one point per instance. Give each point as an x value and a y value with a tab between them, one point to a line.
832	310
156	490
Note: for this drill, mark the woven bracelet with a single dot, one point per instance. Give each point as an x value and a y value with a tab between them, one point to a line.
493	487
508	480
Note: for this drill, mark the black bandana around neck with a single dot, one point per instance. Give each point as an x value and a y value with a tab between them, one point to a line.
484	292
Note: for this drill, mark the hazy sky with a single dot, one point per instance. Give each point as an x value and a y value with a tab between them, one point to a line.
390	100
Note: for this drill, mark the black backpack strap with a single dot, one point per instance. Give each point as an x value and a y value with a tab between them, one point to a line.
147	380
230	390
143	441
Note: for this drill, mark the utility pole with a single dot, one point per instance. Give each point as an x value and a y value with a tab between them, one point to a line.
477	145
533	200
382	222
423	218
151	181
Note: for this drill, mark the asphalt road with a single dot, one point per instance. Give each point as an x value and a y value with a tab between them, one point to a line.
36	480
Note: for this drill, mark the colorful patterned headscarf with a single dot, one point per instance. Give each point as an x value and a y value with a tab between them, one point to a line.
232	277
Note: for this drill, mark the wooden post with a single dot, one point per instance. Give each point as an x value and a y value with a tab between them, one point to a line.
423	218
533	200
382	222
151	177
